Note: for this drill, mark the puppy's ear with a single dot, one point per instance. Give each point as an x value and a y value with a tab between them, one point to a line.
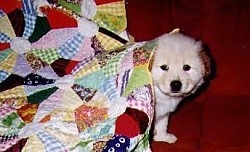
176	30
206	59
150	65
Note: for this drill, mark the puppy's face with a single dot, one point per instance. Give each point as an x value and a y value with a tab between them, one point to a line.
179	65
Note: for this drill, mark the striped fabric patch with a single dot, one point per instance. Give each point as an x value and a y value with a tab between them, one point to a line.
4	138
51	143
109	88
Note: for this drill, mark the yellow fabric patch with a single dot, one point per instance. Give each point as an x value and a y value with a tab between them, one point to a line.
33	143
99	100
108	42
70	100
115	8
112	16
9	63
62	115
13	102
87	69
6	27
17	92
70	140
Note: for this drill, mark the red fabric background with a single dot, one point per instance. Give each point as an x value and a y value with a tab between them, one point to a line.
222	24
218	119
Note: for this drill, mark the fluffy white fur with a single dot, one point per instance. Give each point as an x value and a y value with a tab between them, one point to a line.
180	66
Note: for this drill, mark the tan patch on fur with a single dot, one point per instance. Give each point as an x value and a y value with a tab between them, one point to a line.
206	62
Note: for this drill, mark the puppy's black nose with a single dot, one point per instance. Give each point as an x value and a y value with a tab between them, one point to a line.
175	86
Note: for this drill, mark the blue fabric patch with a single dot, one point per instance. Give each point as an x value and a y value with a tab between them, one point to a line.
118	143
109	88
51	143
4	38
69	49
2	13
94	80
34	79
3	75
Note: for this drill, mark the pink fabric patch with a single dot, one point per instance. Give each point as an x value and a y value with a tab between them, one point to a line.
54	38
6	145
127	63
5	111
141	99
85	51
48	105
22	67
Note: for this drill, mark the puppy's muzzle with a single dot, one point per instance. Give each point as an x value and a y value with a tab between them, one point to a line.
175	86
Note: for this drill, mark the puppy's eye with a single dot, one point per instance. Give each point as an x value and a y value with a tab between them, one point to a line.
186	67
164	67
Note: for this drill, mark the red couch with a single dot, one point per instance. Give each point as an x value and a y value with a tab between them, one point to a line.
218	119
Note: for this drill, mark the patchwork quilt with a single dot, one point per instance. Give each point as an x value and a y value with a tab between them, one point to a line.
68	86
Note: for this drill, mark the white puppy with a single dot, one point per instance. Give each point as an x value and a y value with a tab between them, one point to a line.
180	66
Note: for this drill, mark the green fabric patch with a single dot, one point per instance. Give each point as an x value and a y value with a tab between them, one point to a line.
40	96
111	22
140	77
94	80
47	55
144	144
11	123
73	7
111	66
38	31
4	54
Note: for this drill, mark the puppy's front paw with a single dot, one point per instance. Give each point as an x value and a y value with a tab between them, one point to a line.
166	137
